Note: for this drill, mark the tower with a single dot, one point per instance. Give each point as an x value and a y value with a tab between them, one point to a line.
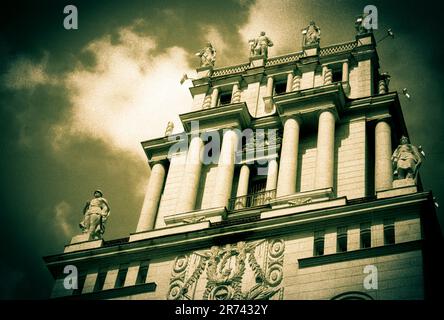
281	186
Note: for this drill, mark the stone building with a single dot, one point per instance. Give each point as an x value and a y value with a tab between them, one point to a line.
302	206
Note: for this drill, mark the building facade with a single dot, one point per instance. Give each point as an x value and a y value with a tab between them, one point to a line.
281	187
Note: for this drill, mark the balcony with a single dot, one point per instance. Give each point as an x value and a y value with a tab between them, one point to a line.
251	200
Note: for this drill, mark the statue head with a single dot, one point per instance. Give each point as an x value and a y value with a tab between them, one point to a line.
98	193
262	33
208	45
404	140
312	23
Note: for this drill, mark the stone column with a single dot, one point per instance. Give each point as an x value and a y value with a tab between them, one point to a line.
286	183
289	82
345	71
383	154
151	203
242	187
328	78
272	175
214	96
225	170
269	86
296	85
325	150
191	177
236	94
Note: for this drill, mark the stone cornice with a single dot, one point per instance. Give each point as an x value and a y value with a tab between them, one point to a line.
269	227
229	116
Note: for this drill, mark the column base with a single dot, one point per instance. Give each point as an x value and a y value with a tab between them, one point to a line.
257	61
400	187
83	241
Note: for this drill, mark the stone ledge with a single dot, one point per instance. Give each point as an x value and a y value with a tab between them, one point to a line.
113	293
78	245
169	231
301	198
399	188
360	254
212	214
304	208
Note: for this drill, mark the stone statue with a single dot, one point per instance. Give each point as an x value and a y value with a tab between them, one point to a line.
96	212
259	47
406	160
169	128
207	56
312	34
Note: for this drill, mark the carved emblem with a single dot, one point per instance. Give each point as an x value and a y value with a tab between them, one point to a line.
251	271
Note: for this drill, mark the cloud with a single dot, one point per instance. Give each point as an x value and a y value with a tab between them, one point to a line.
129	95
63	218
27	74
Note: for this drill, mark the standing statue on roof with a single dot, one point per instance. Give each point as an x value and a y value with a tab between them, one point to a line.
96	212
259	46
207	56
311	34
406	160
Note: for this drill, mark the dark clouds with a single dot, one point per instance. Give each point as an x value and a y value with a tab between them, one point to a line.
43	187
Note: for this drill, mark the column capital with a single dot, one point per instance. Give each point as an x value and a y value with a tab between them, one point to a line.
331	109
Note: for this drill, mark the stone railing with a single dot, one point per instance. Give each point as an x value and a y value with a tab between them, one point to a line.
230	70
284	59
337	48
251	200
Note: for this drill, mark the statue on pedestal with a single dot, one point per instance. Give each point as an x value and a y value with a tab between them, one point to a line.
311	34
96	212
406	160
207	56
169	128
259	46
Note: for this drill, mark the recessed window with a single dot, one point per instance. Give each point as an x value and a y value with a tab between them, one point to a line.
366	235
100	281
224	98
143	271
389	232
337	75
280	87
318	243
342	239
121	276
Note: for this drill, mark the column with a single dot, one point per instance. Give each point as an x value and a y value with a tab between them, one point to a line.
236	94
286	183
345	71
325	150
328	78
214	96
242	187
289	82
296	83
383	154
269	86
152	197
272	175
225	170
191	177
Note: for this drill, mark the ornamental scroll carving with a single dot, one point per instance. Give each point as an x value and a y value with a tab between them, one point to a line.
241	271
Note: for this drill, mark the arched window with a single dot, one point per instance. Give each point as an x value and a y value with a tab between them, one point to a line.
352	295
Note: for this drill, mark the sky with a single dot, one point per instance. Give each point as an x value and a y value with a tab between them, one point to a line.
75	104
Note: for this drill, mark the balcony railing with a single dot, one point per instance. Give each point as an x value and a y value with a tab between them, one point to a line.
251	200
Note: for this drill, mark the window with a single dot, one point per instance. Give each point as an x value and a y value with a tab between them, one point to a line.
336	75
318	243
80	284
280	87
224	98
143	271
389	232
366	235
342	239
100	281
121	276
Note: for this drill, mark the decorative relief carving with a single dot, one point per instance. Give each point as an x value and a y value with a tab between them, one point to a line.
252	271
300	201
